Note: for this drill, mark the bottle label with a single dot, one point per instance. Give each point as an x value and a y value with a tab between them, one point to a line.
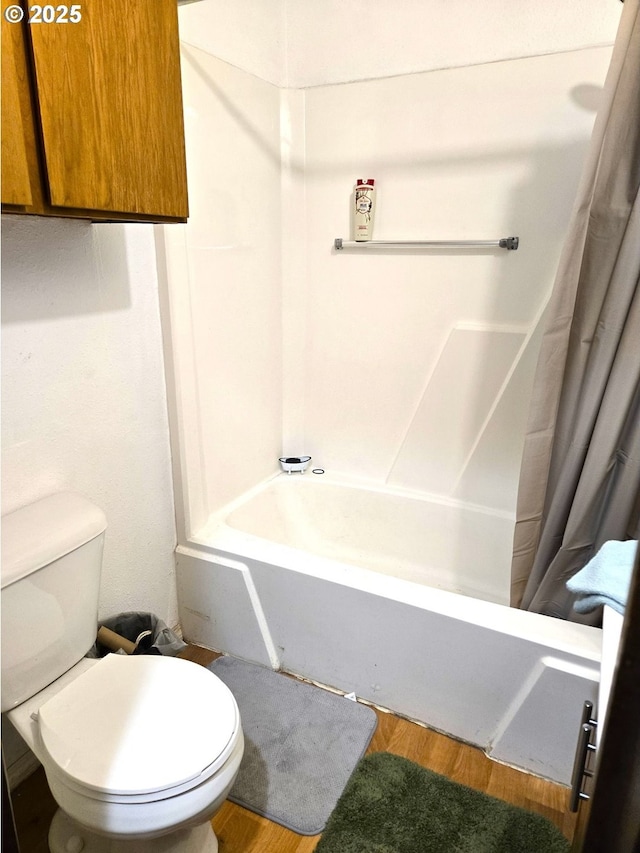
363	203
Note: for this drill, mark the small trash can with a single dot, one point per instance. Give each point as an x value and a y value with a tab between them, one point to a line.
148	633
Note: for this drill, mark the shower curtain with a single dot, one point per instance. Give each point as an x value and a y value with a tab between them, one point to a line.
580	473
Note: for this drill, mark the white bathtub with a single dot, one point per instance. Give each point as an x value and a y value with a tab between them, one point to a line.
359	588
438	543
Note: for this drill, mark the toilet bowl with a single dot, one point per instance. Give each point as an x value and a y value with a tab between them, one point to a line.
139	751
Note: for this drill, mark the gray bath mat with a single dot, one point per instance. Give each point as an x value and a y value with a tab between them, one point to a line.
301	744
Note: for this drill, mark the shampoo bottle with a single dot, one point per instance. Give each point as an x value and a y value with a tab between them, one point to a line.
365	199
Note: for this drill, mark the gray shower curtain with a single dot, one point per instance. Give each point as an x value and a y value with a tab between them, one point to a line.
580	474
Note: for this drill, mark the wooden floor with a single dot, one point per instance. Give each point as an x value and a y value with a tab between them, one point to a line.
241	831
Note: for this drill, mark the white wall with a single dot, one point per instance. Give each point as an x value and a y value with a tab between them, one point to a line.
249	34
300	43
332	41
83	394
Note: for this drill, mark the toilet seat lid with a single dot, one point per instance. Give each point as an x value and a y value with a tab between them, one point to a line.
139	724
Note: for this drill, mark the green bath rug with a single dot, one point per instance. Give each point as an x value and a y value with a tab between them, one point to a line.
392	805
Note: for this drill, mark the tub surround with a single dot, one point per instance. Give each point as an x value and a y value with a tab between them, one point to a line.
281	345
409	371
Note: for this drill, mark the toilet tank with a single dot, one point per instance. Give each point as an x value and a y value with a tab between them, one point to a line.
51	564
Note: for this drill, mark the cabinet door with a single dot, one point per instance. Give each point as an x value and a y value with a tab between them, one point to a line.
110	106
16	184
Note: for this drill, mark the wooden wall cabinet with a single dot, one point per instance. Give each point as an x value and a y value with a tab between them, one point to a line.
92	123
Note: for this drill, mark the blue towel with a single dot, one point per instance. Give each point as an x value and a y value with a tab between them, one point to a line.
606	577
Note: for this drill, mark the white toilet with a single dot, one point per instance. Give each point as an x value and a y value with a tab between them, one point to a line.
140	751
